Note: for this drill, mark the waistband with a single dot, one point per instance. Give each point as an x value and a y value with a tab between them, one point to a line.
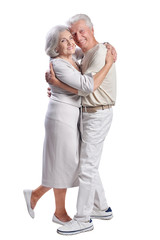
96	108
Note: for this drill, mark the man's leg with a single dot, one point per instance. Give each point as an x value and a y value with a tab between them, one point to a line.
95	128
87	180
101	210
100	202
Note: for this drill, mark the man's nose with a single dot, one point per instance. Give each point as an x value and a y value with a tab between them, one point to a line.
78	37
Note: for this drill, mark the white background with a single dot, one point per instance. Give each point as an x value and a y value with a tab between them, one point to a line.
129	166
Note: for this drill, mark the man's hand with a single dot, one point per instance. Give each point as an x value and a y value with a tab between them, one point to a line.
51	79
50	76
113	51
109	58
49	92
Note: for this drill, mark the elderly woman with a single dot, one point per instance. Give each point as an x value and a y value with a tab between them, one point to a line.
61	144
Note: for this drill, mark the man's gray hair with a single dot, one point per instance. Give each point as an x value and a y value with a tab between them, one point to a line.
79	17
52	40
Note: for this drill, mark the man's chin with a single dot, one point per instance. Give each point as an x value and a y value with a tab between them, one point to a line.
81	45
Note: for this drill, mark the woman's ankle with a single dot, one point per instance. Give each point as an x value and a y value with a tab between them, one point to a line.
62	216
34	200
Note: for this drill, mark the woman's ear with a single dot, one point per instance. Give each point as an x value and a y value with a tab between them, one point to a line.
56	50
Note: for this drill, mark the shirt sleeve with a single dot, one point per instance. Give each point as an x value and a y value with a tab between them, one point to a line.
72	77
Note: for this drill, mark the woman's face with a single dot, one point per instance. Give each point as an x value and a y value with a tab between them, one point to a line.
66	45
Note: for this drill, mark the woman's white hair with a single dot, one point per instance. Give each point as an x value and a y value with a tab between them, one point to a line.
78	17
52	40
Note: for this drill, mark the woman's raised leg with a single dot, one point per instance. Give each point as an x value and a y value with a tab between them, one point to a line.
37	194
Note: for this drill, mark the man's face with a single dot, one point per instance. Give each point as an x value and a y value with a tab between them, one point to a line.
82	35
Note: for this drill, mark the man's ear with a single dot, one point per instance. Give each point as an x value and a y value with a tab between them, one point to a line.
92	30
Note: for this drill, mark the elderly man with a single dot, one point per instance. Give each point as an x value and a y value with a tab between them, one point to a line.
96	120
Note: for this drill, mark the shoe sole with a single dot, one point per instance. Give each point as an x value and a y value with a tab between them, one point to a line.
75	232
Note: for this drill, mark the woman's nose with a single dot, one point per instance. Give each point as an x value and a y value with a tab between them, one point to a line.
69	42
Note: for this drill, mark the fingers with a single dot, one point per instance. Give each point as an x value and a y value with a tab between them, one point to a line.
109	52
50	75
108	46
51	69
110	55
49	92
47	76
114	53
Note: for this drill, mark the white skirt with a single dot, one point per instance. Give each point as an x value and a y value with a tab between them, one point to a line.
61	146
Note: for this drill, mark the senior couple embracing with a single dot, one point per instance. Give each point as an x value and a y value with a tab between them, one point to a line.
82	92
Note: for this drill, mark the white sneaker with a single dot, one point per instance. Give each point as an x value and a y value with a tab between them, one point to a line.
56	220
75	227
104	215
27	196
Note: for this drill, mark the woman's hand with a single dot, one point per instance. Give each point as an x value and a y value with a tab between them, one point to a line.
109	58
113	50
